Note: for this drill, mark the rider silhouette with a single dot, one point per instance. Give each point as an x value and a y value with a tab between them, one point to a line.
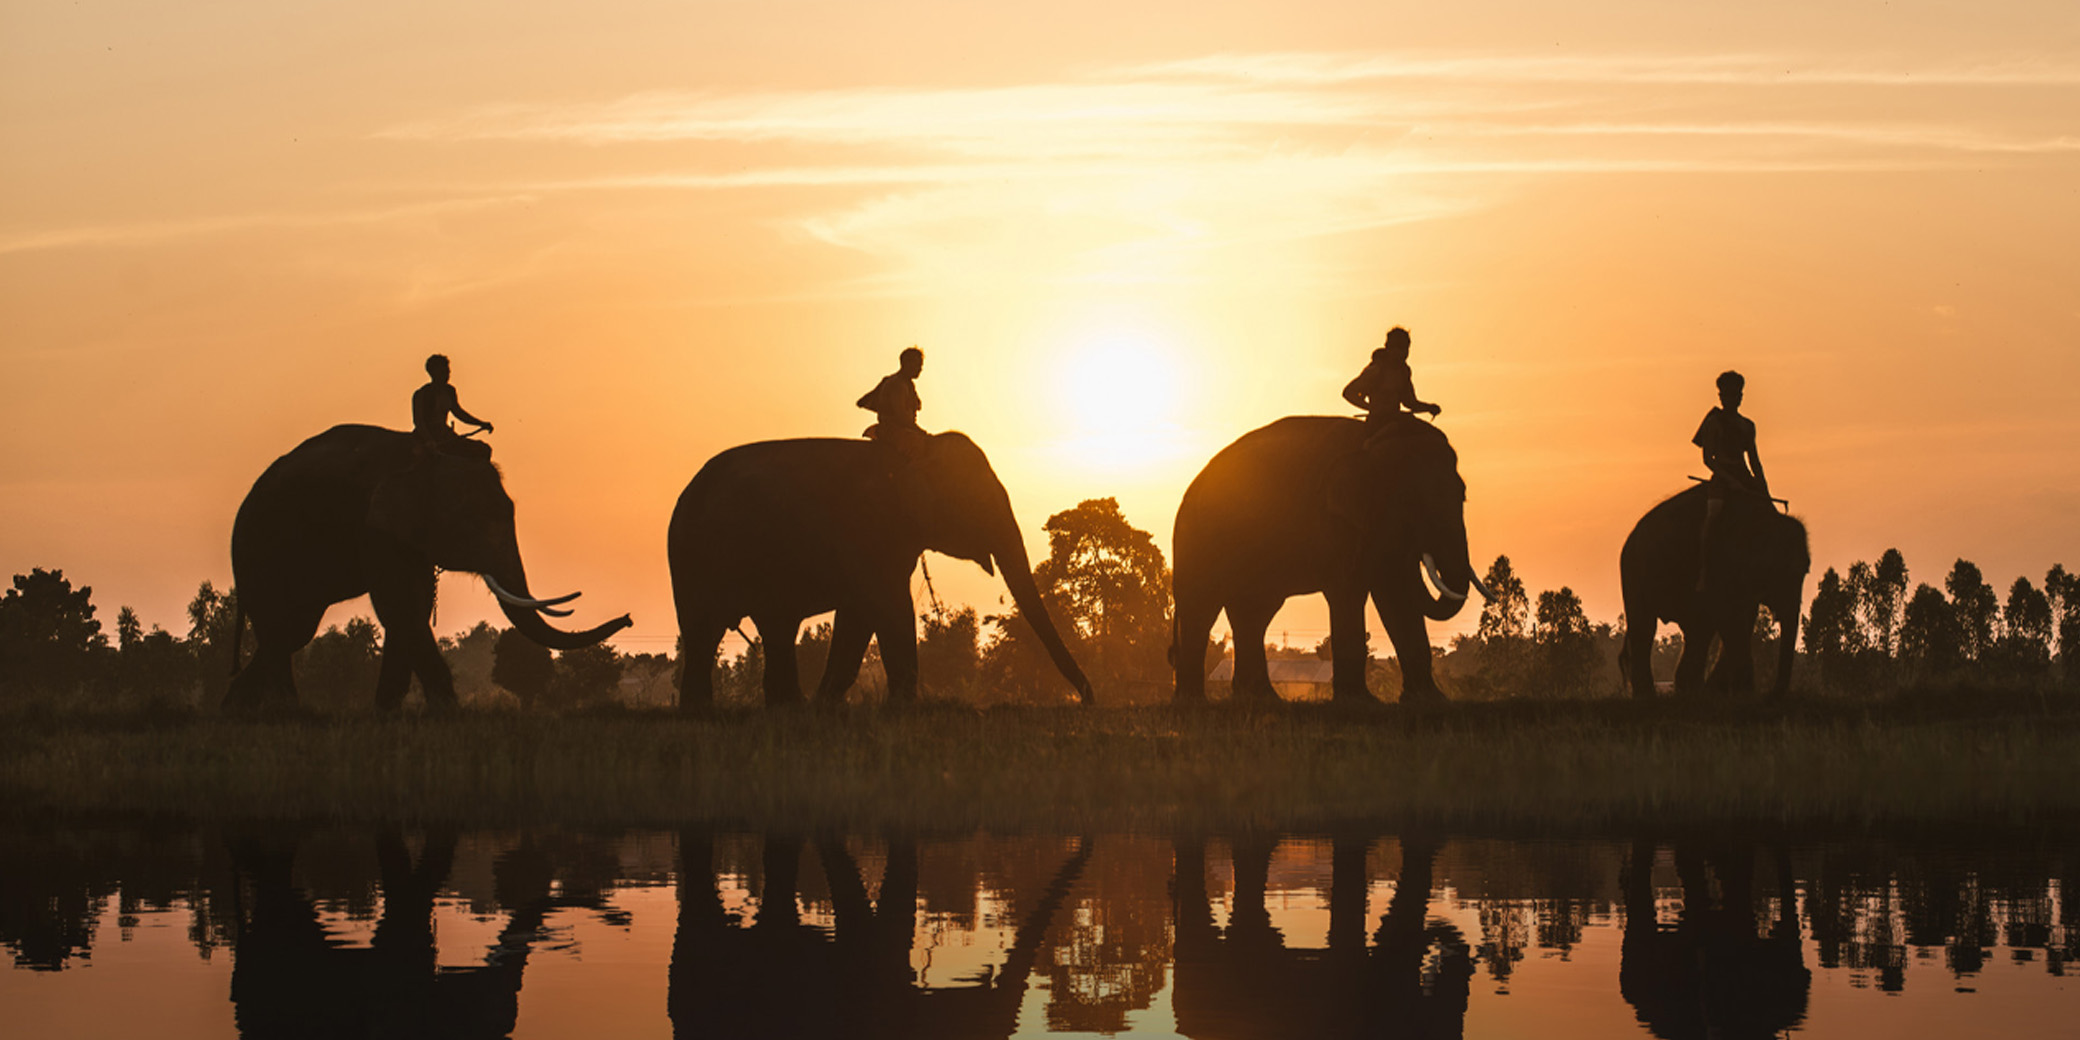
431	406
894	403
1386	385
1727	439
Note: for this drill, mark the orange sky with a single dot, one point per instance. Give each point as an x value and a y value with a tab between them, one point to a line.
1124	235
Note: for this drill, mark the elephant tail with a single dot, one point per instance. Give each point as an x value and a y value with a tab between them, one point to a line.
238	632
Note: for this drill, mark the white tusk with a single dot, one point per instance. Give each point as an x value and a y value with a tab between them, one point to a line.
1436	579
542	605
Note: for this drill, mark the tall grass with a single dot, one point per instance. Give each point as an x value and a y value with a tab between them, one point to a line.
1563	766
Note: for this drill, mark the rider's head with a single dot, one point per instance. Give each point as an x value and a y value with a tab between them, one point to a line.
437	367
912	361
1397	340
1731	386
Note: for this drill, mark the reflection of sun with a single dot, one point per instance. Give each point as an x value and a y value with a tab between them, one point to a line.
1120	394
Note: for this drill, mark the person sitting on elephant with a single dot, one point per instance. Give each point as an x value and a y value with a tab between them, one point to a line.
894	403
1387	384
431	406
1727	439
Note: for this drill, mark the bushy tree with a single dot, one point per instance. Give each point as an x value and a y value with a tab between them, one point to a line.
1569	648
949	653
471	656
523	667
1976	609
2063	590
1881	600
212	626
1508	607
1830	620
49	638
585	675
1108	588
338	669
1931	642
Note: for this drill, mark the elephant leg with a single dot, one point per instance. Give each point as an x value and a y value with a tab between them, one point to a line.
783	682
1735	670
404	608
268	681
1697	648
1410	636
1252	668
699	644
1638	655
1347	645
1193	625
896	630
849	636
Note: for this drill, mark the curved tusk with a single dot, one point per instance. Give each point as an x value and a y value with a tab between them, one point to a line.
1437	580
542	605
554	611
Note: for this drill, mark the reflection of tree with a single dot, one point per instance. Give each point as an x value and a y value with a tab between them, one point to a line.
1111	950
1412	980
777	977
1712	974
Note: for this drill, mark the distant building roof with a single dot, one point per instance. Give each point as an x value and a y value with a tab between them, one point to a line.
1284	670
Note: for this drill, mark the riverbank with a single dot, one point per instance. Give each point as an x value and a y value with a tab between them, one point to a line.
1520	765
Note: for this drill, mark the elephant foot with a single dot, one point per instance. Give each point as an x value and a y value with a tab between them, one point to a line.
1428	697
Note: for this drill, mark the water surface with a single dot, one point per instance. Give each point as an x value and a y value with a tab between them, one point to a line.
179	931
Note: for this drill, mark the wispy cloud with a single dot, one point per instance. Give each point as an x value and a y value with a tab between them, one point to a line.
148	232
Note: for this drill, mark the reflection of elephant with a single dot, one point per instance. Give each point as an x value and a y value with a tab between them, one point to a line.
1759	559
1306	505
779	977
781	530
360	509
1712	975
290	977
1245	981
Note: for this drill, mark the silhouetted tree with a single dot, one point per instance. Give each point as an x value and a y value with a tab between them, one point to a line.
339	667
1569	649
522	666
949	653
2063	590
212	616
1830	620
2023	650
1508	607
1976	608
1881	601
589	673
1930	640
1107	580
48	635
471	656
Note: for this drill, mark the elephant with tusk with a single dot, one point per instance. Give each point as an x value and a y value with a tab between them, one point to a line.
364	510
1318	504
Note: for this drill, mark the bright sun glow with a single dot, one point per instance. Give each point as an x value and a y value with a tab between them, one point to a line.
1120	392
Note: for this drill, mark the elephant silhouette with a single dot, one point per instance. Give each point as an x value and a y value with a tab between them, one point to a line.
1713	974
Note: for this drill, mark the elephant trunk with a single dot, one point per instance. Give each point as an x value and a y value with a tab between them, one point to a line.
1017	569
1454	579
525	612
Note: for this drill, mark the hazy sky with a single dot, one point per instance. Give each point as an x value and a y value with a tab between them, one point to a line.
1123	233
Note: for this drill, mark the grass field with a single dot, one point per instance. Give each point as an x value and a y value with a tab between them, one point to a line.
1557	765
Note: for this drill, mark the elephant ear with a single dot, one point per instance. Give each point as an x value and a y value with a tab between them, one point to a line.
401	505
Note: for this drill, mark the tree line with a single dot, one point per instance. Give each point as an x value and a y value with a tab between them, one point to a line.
1107	585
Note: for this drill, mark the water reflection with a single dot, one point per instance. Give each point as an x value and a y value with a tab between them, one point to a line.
440	931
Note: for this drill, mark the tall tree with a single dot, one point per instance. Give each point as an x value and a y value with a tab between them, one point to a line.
2063	589
1884	600
1830	620
1508	607
1930	639
949	652
1107	580
2024	647
1976	607
1567	644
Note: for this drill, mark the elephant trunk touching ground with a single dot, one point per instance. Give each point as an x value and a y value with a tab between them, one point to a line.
1017	571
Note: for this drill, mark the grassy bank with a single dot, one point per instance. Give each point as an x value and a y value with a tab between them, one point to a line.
1520	765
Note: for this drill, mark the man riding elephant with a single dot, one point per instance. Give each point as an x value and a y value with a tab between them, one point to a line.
431	406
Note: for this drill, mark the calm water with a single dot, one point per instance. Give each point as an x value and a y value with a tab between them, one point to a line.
325	931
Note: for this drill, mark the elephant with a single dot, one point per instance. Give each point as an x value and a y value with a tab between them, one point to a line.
1715	973
778	531
1760	558
365	510
1330	505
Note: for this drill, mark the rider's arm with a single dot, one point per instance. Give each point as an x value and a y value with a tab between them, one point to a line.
1755	462
1354	391
871	400
455	405
1408	398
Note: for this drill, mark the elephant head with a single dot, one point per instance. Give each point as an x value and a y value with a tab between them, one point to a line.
456	513
959	508
1414	497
